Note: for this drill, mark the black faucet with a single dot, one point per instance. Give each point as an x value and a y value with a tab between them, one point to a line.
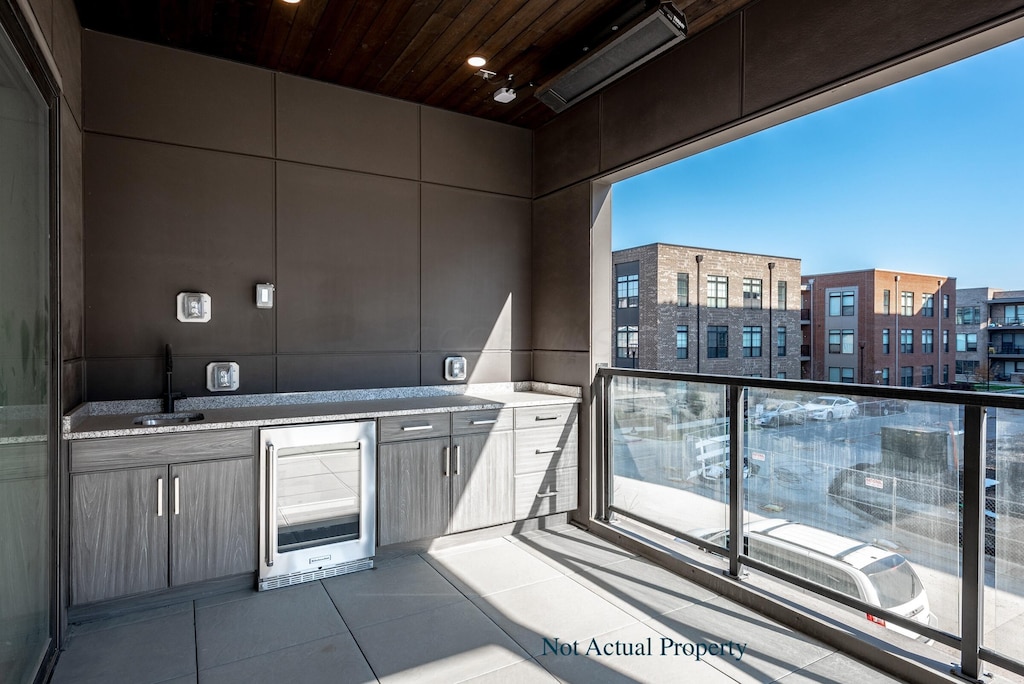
169	395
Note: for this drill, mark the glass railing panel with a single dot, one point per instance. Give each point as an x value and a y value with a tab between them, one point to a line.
1004	532
858	495
668	452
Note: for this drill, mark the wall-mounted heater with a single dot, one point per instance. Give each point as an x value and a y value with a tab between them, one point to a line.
642	39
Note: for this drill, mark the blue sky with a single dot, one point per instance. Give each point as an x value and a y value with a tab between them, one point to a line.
925	176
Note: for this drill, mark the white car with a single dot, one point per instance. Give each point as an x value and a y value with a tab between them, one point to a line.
830	408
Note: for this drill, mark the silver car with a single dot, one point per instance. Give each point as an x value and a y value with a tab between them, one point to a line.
783	413
830	408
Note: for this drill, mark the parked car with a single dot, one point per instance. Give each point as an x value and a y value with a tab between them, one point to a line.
884	407
829	408
783	413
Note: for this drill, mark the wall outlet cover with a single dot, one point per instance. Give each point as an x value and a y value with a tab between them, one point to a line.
222	376
194	307
455	368
264	296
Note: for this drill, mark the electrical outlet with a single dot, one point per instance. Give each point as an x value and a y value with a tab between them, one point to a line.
455	368
194	307
222	376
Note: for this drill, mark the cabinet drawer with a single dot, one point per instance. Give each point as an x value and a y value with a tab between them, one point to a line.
486	420
556	446
420	426
552	491
174	447
543	416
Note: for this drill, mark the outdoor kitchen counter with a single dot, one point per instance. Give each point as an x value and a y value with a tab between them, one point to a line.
115	419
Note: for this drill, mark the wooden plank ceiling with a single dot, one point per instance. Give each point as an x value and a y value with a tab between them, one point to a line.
410	49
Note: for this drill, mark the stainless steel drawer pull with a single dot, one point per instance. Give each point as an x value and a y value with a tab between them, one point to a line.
548	495
546	418
492	421
159	497
177	495
549	451
416	428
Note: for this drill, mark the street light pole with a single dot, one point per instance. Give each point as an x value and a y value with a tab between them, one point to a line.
771	330
698	258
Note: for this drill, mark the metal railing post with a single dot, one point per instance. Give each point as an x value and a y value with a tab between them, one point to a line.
973	524
736	396
602	450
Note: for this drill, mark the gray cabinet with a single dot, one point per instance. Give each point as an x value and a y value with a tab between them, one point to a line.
156	511
546	460
443	473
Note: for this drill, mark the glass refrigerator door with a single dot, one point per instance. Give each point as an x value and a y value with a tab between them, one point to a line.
317	495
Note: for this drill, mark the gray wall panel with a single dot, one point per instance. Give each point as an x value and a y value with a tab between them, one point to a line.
795	46
146	91
162	219
683	93
474	153
348	259
488	366
569	148
476	270
561	270
67	53
323	124
143	378
72	309
311	372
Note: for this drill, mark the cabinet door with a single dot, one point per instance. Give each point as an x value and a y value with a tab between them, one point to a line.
481	481
118	533
212	517
413	489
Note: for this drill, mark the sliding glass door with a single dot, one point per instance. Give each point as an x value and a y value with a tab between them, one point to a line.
26	536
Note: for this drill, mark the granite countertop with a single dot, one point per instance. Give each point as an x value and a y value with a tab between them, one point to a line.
115	419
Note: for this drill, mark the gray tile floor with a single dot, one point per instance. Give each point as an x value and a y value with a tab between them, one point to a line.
523	608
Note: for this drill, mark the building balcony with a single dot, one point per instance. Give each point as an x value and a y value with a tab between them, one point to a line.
805	352
1006	322
805	315
1005	351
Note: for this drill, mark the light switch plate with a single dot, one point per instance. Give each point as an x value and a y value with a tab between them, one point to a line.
455	368
194	307
222	376
264	296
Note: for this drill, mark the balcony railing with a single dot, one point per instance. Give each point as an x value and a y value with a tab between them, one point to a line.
903	505
1009	321
1006	350
805	314
805	351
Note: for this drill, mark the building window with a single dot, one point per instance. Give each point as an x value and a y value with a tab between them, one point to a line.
840	341
928	305
751	293
781	375
926	375
906	341
885	302
718	292
782	295
682	342
833	374
840	304
780	340
966	367
945	374
751	341
885	376
966	342
927	342
968	315
847	375
945	306
885	340
906	303
627	289
718	341
682	289
627	341
907	376
945	340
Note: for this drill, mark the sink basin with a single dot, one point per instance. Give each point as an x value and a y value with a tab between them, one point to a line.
156	419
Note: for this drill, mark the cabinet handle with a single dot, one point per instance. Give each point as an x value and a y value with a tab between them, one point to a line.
546	418
548	495
416	428
271	513
458	458
177	495
159	497
549	451
492	421
447	460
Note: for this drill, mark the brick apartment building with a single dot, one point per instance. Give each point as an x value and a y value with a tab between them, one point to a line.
696	310
989	334
879	327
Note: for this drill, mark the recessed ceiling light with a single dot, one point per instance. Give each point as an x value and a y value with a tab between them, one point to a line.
292	2
476	61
